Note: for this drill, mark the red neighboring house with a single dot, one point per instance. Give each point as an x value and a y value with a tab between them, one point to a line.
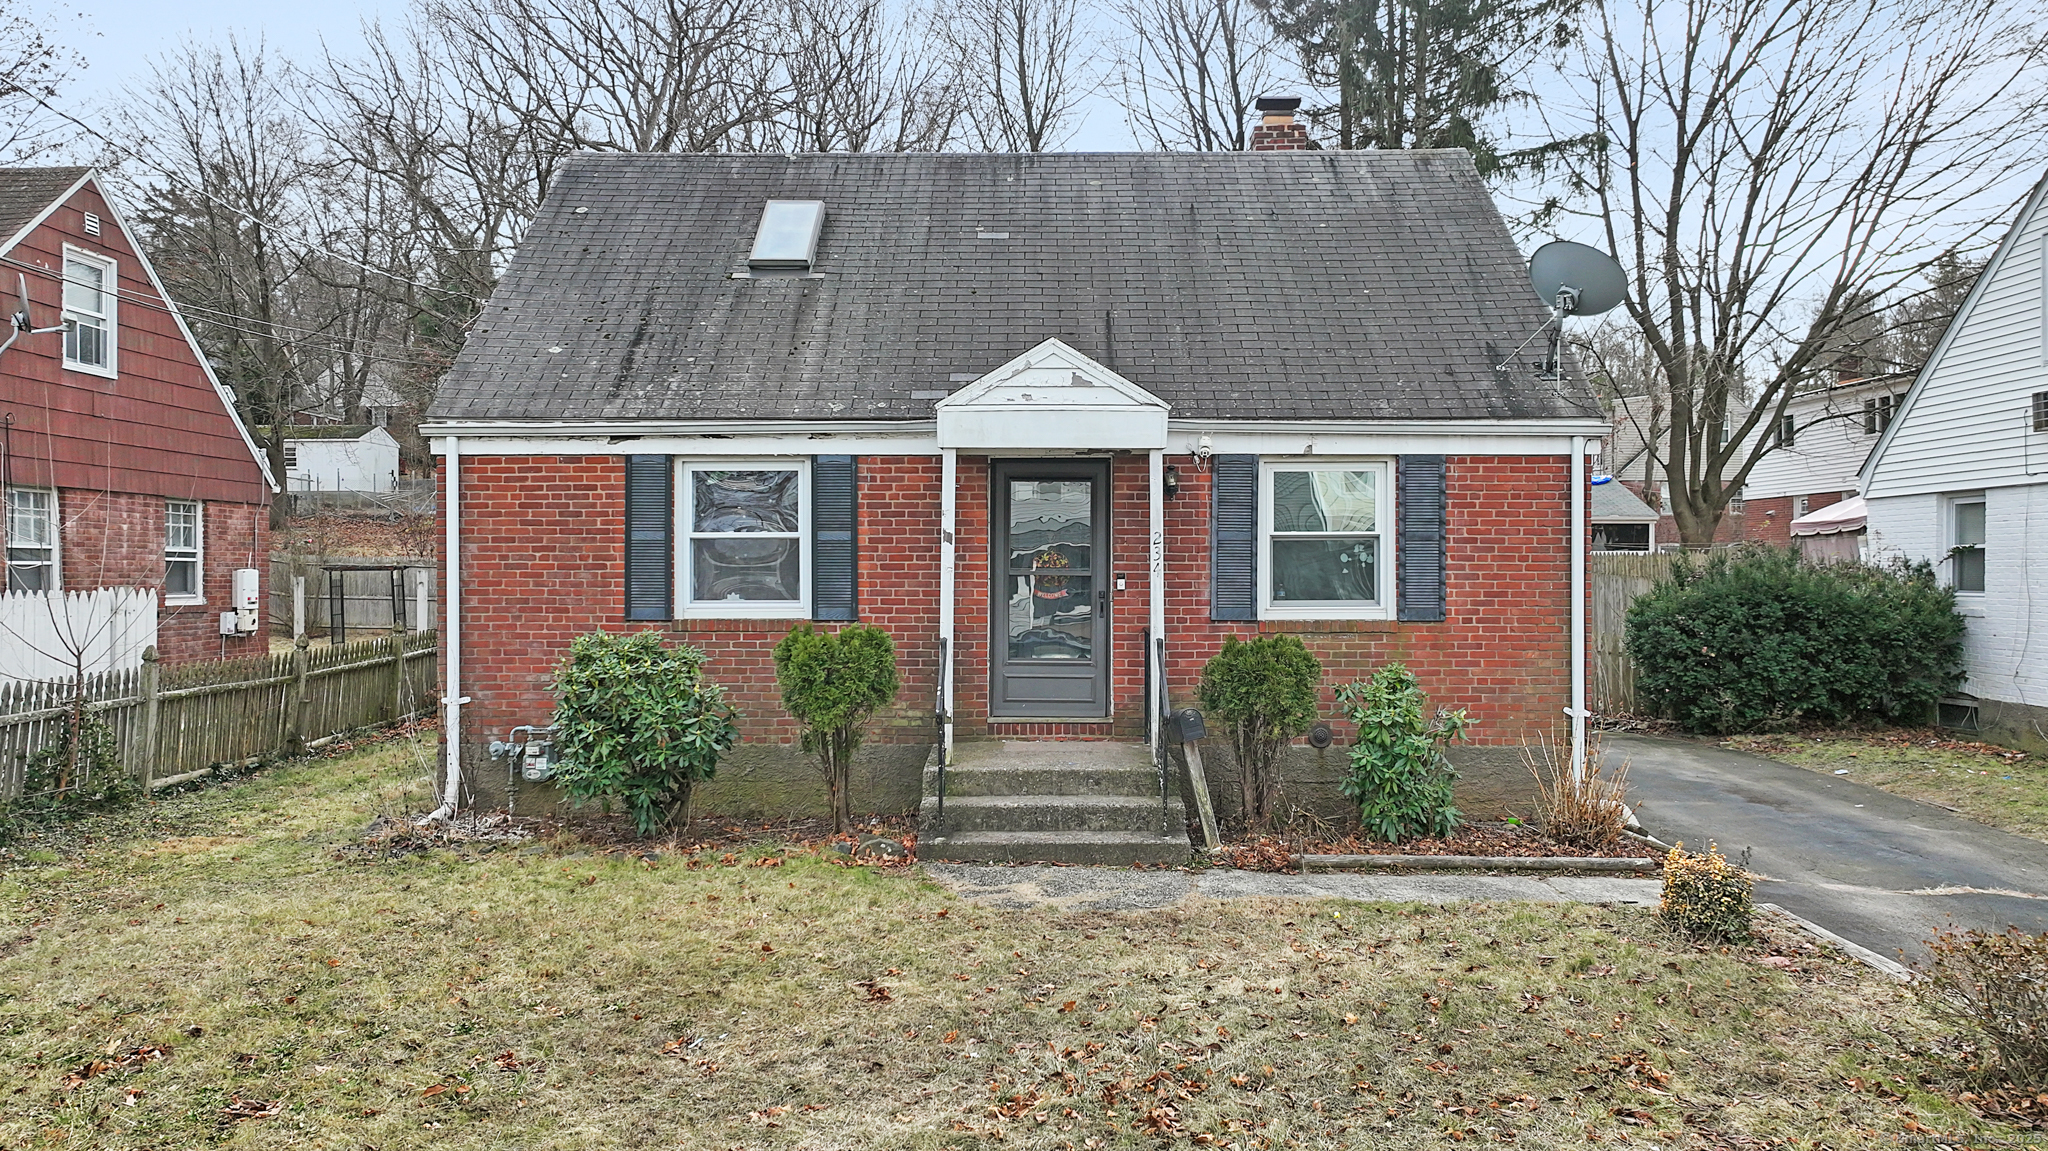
125	464
1059	423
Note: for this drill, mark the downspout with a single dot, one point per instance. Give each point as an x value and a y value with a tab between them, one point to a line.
1578	710
949	476
1155	587
451	637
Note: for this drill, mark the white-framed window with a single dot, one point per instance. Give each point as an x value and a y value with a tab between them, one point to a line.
1966	540
1877	414
745	529
32	540
1326	539
291	454
1800	505
90	286
184	533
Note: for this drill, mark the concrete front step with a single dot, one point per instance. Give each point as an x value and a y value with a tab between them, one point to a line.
1105	848
1000	779
1057	813
1053	801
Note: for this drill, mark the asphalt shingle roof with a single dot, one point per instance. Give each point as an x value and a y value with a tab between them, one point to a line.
1317	285
25	192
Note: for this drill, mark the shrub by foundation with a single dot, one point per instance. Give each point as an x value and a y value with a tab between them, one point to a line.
1995	984
1757	639
1399	776
1265	689
1706	896
639	724
833	682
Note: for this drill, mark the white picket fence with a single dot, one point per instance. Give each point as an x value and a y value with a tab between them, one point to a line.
49	635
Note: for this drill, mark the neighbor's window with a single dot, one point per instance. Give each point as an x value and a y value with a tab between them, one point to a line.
1877	414
89	286
1788	427
181	551
291	455
1966	543
1326	539
2040	411
745	540
31	540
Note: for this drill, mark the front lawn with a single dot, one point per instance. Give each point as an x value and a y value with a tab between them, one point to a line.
219	971
1995	786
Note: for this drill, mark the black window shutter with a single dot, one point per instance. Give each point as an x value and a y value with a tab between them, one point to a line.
835	552
650	537
1234	547
1419	551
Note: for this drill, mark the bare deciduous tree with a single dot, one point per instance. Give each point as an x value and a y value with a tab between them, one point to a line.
851	80
1773	171
1025	68
1193	70
32	69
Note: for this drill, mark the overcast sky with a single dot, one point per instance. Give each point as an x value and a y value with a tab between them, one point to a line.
119	38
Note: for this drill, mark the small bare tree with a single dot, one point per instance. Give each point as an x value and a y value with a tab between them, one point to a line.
1025	68
1773	172
1193	69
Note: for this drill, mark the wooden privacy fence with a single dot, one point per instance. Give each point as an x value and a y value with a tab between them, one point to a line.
171	723
1616	579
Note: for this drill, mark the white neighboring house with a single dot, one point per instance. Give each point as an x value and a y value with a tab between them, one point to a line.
339	458
1810	480
1961	480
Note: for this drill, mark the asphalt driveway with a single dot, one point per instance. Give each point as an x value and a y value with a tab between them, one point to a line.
1875	868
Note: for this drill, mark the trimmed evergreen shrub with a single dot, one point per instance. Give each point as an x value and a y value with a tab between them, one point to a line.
833	682
1265	689
1399	776
1756	639
638	723
1706	896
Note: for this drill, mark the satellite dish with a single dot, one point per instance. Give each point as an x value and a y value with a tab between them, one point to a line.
1576	279
20	321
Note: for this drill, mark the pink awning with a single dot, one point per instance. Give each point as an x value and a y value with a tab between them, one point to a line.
1846	516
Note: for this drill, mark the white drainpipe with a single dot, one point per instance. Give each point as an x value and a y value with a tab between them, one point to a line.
451	637
1578	710
1155	585
949	476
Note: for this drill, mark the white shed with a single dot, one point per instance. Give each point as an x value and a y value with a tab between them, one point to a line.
1961	480
339	458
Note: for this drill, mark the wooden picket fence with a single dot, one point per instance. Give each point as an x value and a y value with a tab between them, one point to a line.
1616	579
171	723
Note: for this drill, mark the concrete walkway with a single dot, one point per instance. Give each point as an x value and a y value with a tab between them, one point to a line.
1875	868
1106	889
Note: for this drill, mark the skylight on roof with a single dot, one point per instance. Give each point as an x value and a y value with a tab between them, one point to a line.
788	236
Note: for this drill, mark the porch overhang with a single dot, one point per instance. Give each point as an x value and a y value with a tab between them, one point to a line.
1052	399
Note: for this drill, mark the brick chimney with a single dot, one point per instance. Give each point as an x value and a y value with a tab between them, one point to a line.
1277	130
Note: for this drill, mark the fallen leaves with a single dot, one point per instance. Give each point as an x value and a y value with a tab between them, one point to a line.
129	1060
873	992
240	1110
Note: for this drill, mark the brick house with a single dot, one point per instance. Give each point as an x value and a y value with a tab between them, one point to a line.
125	464
1176	397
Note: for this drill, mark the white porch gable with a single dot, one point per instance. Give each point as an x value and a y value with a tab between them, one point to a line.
1052	398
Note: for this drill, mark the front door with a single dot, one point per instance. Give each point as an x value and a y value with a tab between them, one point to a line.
1049	607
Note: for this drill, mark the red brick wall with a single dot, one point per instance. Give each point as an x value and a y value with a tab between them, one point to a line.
1769	521
116	539
543	562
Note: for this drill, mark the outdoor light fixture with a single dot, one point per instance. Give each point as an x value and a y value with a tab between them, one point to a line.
1172	480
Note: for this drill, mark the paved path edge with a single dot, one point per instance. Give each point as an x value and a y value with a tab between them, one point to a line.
1857	951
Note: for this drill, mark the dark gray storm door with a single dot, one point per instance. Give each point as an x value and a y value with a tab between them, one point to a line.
1049	599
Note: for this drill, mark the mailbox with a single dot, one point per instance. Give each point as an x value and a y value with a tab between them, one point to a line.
1188	725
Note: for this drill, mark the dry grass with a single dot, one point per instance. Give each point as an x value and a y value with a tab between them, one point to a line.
1586	809
1995	786
239	985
